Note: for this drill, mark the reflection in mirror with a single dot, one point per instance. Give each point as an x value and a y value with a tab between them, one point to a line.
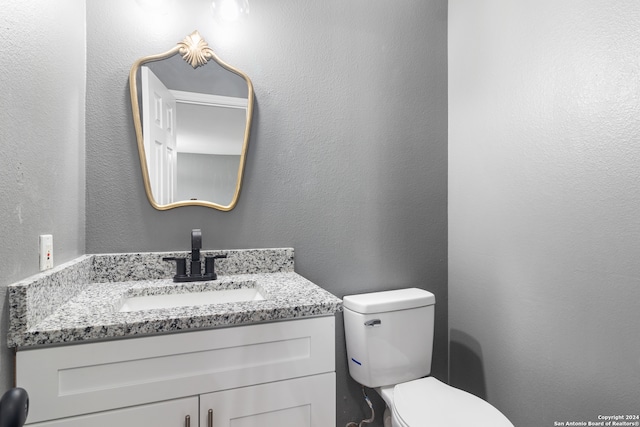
192	114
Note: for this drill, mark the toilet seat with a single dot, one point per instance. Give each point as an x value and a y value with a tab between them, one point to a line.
429	402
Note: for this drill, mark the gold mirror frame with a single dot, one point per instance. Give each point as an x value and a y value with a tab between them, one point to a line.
195	51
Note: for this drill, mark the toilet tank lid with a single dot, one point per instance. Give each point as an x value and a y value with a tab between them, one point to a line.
380	302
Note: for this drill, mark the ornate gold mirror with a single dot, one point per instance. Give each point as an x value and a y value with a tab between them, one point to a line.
192	114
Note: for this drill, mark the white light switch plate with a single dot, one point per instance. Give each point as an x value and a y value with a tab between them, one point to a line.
46	252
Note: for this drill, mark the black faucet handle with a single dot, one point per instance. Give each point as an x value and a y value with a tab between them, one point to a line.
210	266
181	267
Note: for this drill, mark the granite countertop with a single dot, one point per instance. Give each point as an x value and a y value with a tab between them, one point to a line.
90	310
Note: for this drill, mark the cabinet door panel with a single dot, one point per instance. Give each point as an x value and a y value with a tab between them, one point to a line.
301	402
171	413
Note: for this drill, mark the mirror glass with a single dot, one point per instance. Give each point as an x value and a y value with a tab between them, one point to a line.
192	113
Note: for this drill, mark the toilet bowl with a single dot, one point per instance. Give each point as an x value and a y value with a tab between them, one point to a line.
389	338
430	402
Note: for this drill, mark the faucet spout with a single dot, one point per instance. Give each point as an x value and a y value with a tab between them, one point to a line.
196	245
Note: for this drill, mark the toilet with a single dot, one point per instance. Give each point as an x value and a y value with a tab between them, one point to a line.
389	339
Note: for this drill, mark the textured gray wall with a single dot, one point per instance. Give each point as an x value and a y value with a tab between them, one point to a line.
42	189
544	190
347	160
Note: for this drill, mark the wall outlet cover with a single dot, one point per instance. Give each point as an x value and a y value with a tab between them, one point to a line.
46	252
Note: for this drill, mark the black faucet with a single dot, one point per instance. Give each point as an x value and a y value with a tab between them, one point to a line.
195	273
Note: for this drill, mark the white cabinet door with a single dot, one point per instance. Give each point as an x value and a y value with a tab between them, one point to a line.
301	402
172	413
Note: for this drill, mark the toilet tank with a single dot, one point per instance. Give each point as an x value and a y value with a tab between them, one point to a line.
389	335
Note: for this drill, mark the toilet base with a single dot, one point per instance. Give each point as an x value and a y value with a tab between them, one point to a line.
386	417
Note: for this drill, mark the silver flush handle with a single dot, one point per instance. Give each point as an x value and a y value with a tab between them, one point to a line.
373	322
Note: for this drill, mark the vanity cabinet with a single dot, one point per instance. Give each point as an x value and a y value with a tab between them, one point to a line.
279	373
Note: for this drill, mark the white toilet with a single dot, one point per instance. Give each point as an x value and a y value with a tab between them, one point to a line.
389	339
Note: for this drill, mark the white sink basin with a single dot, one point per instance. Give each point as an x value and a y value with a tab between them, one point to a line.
150	302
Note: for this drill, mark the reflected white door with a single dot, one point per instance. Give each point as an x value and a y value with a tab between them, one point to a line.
159	135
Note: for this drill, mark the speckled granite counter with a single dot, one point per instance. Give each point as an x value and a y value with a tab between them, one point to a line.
80	300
